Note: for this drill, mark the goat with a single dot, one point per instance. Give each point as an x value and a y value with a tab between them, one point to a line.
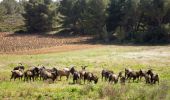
82	72
142	73
105	74
31	74
133	74
154	77
64	72
90	77
17	74
147	79
76	74
114	78
49	74
19	67
127	71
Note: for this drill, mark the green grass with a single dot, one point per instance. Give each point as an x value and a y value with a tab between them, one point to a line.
115	58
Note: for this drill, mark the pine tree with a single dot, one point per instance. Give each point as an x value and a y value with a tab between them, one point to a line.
115	14
39	15
11	6
71	11
94	18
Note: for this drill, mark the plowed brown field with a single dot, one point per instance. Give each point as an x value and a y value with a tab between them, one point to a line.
38	44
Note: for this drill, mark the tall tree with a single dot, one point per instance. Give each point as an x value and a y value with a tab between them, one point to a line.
155	12
94	19
2	11
11	6
115	19
39	15
10	15
115	14
71	11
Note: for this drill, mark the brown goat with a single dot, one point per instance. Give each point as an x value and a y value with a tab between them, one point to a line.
147	79
17	74
142	73
72	70
76	75
49	74
64	72
31	74
150	72
114	78
133	74
105	74
82	72
41	71
127	71
154	77
28	75
90	77
95	78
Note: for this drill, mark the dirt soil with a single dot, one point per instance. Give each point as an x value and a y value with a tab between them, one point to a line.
40	44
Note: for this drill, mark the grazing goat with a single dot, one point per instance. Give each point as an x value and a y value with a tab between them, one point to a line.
49	74
64	72
114	78
142	73
17	74
127	71
154	77
41	70
90	77
76	75
147	79
31	74
105	74
133	74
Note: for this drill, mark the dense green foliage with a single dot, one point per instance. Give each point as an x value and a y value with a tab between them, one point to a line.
139	20
10	15
39	15
125	20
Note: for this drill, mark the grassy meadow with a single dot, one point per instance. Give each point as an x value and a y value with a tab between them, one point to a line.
111	57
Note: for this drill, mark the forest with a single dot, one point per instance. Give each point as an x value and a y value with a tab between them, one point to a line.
136	21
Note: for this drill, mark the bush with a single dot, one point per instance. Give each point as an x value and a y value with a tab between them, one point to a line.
153	35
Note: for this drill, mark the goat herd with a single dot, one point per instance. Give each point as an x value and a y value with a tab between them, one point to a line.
42	73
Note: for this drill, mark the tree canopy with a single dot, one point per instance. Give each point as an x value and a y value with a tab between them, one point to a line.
122	20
